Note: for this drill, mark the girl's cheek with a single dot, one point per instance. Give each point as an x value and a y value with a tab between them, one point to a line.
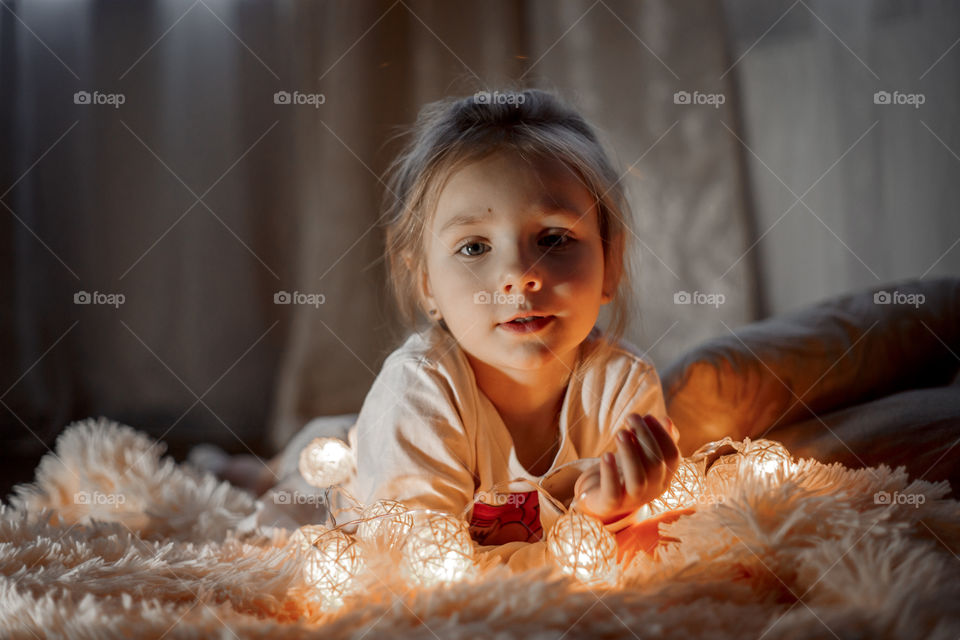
576	271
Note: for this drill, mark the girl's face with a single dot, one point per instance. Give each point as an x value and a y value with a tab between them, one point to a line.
516	236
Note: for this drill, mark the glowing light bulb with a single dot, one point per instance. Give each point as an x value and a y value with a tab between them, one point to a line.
304	537
584	549
768	456
389	522
721	476
685	489
438	549
326	462
333	564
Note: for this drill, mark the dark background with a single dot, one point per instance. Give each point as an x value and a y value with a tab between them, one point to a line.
199	198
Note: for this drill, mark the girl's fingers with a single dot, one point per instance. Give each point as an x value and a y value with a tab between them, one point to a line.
634	473
586	487
653	461
668	447
588	481
611	487
674	432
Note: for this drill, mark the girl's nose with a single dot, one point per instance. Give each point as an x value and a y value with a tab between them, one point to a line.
522	284
521	280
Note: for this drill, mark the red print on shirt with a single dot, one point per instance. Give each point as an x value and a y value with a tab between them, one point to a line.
516	519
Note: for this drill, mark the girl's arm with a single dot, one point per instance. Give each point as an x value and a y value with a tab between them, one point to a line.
412	445
642	441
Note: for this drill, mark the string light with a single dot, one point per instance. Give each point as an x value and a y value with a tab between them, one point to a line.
584	549
438	549
326	462
333	564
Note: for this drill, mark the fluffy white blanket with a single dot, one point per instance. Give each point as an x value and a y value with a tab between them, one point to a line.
811	555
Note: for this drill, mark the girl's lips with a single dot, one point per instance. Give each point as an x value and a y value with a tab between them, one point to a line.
526	327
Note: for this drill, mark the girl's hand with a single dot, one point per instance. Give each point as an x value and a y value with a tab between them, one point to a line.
648	457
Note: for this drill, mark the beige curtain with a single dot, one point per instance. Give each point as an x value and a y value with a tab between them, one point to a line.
877	181
294	194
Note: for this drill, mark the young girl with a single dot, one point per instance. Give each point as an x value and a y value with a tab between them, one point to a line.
507	232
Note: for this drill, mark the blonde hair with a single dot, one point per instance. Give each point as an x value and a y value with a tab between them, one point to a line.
453	132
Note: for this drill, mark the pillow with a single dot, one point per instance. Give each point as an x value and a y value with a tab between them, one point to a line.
842	352
917	429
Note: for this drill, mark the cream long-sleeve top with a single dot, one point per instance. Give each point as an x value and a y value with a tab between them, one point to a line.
429	437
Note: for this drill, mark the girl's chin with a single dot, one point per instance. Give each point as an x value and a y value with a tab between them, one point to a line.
520	351
530	354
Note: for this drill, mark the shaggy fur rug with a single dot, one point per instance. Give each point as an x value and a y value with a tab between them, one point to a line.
179	555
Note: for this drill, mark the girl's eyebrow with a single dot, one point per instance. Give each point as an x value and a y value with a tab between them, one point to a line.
466	219
462	220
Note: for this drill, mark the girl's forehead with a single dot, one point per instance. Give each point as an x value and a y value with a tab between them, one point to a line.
505	178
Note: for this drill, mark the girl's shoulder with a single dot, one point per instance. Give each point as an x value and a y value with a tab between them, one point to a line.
426	375
618	379
601	353
432	351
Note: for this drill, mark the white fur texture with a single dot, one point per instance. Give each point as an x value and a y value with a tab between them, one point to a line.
806	555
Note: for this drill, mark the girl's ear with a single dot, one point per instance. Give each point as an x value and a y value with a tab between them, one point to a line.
612	272
425	292
611	278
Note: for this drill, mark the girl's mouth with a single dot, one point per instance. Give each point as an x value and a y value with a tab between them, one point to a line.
530	324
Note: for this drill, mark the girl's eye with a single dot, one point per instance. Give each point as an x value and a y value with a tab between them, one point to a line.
472	249
556	240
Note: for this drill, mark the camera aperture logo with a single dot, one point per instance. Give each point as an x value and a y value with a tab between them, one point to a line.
497	297
110	299
711	99
698	297
297	98
310	299
898	297
97	98
496	97
896	97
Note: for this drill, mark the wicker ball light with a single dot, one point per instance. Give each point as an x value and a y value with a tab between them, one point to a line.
686	489
438	549
584	549
332	567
